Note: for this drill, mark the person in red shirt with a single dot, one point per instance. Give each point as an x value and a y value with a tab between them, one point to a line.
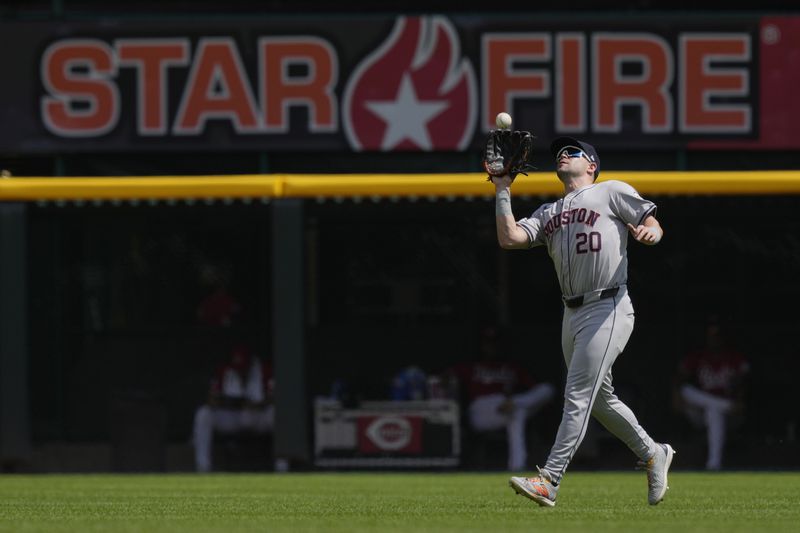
240	399
710	389
501	394
218	308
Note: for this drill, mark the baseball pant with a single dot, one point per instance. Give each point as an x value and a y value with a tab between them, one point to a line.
593	335
208	420
485	415
711	411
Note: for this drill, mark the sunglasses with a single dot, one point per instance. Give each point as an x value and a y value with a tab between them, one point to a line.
572	151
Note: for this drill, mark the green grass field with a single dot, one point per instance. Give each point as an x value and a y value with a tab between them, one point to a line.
592	502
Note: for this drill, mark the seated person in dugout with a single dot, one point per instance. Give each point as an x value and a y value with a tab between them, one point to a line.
239	399
709	389
500	393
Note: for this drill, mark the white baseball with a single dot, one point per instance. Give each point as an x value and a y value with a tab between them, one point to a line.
503	121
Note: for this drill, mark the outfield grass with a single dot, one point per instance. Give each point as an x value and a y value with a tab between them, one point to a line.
594	502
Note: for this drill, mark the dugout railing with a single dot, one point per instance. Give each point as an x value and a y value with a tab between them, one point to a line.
378	186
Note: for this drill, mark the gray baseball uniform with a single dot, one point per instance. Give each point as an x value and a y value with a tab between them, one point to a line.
586	236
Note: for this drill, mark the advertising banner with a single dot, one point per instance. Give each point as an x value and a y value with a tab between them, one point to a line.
405	83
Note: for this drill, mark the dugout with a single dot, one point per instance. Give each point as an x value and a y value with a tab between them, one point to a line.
353	287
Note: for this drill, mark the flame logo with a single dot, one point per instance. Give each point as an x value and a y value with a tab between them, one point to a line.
414	92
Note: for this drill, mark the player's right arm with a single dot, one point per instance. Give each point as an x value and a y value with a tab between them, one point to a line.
509	234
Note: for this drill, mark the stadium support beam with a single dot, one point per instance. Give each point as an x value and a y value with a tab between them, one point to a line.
292	418
15	439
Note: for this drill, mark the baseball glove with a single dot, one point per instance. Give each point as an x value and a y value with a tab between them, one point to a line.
508	152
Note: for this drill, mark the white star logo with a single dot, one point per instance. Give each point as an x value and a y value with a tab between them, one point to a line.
406	117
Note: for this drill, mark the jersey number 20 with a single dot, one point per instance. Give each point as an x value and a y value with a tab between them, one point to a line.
588	242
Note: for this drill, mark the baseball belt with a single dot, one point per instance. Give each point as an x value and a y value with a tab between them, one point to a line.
577	301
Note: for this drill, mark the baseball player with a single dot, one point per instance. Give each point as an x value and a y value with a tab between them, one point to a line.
710	389
586	234
240	398
501	394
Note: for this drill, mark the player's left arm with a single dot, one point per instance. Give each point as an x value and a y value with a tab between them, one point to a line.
629	206
648	232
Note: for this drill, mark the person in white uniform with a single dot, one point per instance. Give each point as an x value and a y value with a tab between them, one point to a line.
501	394
240	399
710	389
586	234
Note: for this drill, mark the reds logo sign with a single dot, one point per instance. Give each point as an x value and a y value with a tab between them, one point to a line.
389	434
415	92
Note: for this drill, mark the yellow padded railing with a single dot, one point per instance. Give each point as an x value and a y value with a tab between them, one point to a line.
380	185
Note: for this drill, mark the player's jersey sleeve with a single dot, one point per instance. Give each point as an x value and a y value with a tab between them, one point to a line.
627	204
532	225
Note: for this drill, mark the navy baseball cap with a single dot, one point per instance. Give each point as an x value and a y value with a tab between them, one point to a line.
562	142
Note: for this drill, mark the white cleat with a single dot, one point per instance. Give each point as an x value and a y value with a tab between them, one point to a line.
657	468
